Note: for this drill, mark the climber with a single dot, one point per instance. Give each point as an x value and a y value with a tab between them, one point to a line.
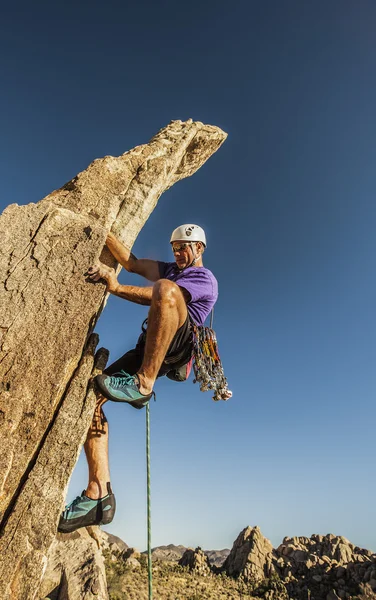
184	292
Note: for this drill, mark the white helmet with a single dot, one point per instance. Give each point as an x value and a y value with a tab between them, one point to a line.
189	233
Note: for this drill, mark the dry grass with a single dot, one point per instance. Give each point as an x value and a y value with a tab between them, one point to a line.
171	582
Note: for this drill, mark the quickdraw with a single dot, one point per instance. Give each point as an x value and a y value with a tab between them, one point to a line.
207	366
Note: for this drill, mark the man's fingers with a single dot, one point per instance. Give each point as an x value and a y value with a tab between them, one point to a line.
94	273
97	272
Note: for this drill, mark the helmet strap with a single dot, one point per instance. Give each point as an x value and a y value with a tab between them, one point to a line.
194	257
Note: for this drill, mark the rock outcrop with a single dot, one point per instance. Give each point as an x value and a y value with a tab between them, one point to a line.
75	567
174	553
47	313
320	566
196	560
131	558
250	556
111	543
324	564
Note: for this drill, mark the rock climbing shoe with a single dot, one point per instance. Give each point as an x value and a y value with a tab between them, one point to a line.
122	387
84	511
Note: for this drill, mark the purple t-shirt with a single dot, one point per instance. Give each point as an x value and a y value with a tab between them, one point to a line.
199	282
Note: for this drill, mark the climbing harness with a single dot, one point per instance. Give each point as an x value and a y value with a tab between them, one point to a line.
207	366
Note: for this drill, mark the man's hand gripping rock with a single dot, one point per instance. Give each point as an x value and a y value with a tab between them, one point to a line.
101	271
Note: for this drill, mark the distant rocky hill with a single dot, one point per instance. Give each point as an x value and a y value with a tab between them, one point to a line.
113	541
169	553
175	553
322	567
217	557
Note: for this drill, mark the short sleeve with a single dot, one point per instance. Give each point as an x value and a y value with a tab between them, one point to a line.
199	285
163	266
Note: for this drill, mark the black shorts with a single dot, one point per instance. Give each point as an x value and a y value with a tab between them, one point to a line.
178	354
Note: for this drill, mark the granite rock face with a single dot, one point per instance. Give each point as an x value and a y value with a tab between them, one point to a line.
250	556
322	567
325	564
47	313
75	567
32	518
196	560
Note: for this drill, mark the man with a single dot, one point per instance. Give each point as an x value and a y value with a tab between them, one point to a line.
184	292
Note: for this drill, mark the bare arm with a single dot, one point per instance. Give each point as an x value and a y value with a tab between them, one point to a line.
142	266
133	293
139	295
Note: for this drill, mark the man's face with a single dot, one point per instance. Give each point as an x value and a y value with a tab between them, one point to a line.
183	252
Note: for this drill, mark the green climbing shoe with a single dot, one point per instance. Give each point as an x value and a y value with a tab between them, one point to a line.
84	511
122	387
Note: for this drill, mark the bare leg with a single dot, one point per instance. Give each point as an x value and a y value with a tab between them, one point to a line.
168	312
96	450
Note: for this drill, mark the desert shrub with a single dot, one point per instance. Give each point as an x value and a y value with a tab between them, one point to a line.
115	596
270	584
143	560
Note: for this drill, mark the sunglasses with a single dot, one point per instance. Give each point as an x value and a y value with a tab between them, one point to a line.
180	247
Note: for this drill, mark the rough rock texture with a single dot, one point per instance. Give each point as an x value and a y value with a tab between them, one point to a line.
47	312
75	569
31	525
324	564
250	556
317	567
196	560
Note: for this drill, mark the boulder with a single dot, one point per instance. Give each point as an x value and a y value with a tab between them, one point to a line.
251	556
75	567
328	565
196	560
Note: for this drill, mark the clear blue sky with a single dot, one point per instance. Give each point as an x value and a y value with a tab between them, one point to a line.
289	207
